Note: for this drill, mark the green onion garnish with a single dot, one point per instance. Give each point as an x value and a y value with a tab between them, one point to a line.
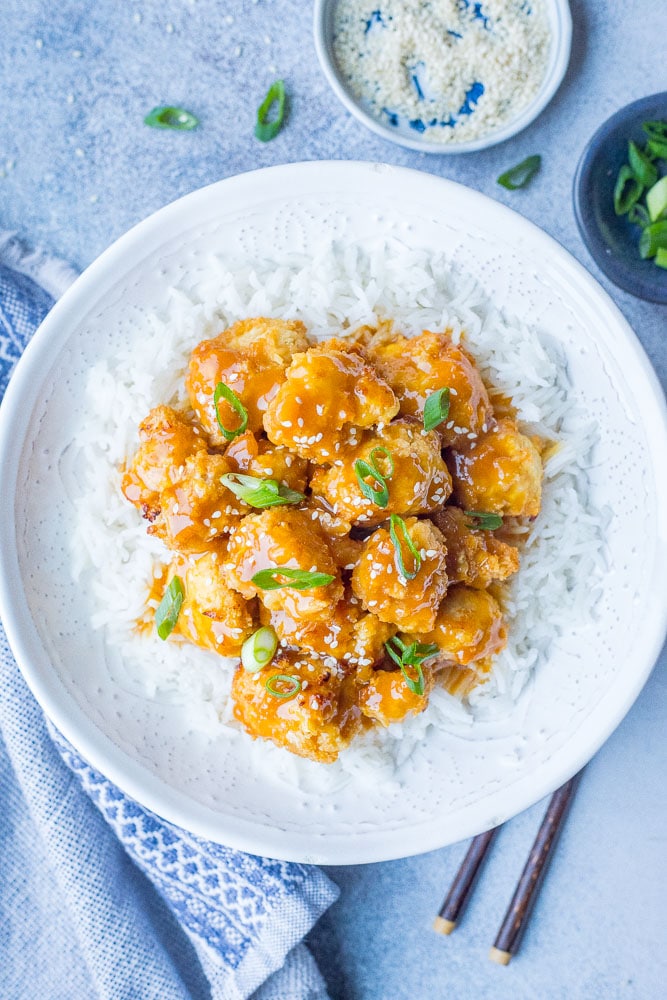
177	119
259	649
641	166
283	576
379	449
482	521
661	257
656	200
411	656
655	130
521	175
168	610
223	391
294	685
378	493
266	130
397	524
627	191
638	216
260	492
436	408
652	239
657	148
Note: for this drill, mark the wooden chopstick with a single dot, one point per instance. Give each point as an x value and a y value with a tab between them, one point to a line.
461	887
516	918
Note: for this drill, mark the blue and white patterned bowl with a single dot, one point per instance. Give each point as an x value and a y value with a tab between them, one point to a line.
411	135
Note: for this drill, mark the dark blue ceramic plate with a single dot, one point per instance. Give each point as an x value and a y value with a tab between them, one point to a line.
611	240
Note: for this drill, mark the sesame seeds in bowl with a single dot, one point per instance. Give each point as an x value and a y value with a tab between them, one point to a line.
444	76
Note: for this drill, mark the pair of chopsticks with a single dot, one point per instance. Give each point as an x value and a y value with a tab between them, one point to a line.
518	911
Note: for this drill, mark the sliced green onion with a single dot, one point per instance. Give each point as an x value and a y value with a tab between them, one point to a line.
411	656
482	521
177	119
652	239
521	175
260	492
436	408
223	391
656	200
259	649
655	130
642	167
364	471
661	257
168	610
658	148
397	524
638	215
264	129
627	191
283	576
294	685
379	449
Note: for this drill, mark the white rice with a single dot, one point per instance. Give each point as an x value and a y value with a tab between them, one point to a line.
341	288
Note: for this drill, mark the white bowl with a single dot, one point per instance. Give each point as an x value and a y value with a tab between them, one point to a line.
457	786
560	24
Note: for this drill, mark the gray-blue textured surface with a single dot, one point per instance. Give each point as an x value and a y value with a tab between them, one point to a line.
78	167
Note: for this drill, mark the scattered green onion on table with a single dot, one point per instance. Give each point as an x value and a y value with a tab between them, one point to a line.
522	174
640	192
266	129
176	119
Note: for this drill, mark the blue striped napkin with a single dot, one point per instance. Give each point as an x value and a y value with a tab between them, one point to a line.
99	898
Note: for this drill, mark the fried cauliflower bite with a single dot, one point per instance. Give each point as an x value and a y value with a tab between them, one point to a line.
460	681
474	557
415	367
213	615
386	697
197	511
354	637
329	392
418	484
500	473
285	538
469	626
250	358
167	440
318	721
260	458
345	549
412	605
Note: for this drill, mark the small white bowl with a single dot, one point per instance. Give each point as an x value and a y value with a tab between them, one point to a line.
560	24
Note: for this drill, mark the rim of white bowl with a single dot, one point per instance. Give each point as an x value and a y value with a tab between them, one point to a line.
560	20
